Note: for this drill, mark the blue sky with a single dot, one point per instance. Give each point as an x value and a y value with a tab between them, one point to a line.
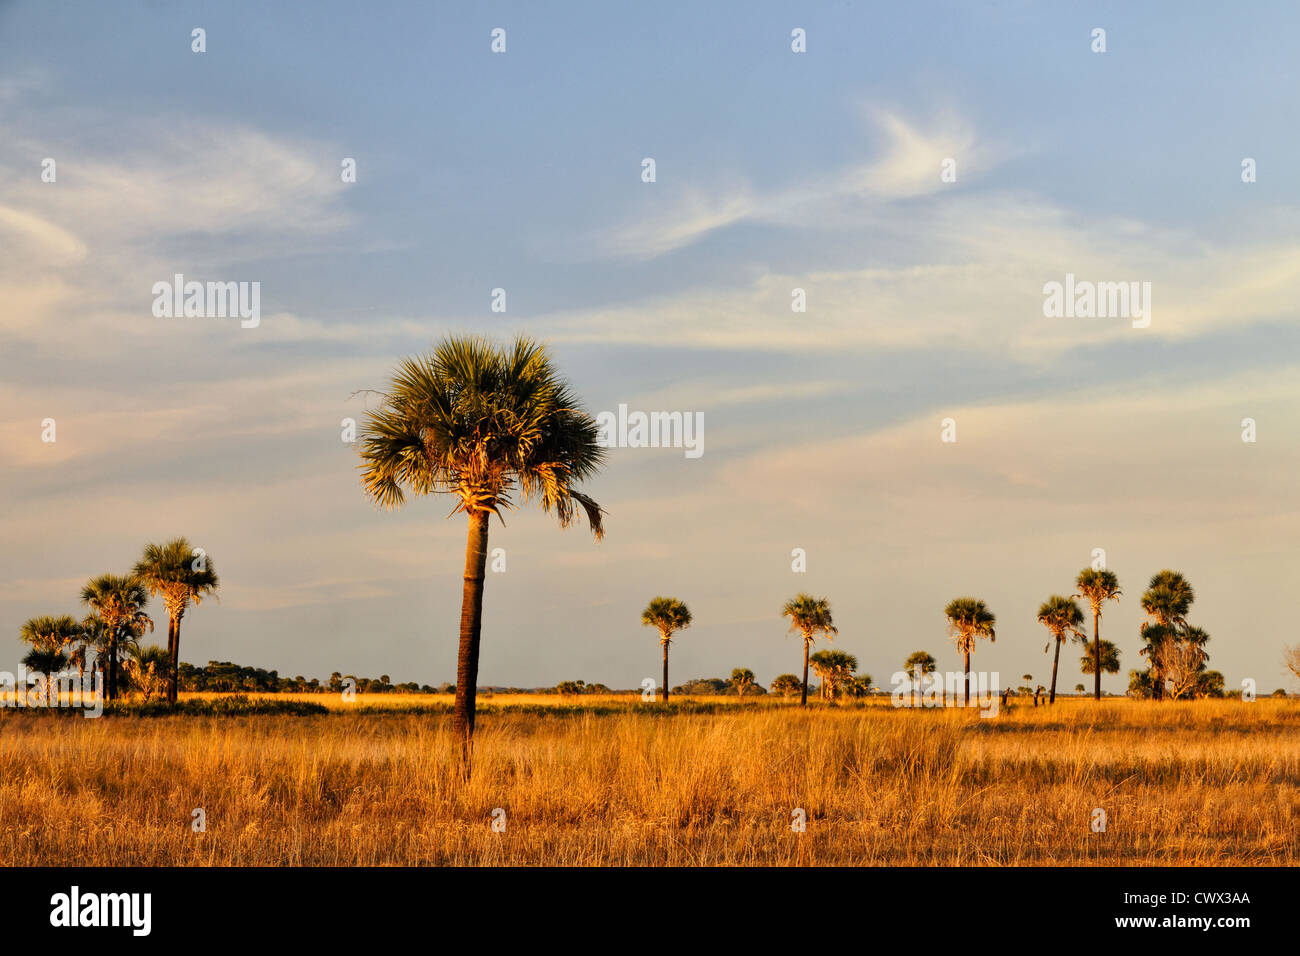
775	170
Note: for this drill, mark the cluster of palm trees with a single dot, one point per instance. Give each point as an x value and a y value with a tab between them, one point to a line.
491	423
108	638
809	617
1174	648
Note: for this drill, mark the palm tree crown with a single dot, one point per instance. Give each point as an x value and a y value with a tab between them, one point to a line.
1098	585
1168	598
118	599
1062	616
171	570
968	619
50	633
668	615
1107	654
479	421
810	616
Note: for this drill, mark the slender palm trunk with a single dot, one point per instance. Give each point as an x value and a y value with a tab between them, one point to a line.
665	644
966	699
803	701
471	620
174	681
112	672
173	655
1056	659
1096	656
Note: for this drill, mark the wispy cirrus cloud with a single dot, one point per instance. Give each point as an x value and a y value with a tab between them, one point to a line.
907	165
185	195
969	272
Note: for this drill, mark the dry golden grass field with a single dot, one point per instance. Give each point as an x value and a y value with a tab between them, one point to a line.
375	782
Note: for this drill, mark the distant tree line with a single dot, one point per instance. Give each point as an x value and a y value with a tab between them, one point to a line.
226	677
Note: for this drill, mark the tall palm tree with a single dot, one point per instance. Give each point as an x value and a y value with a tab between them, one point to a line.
479	421
834	668
809	616
919	662
669	615
47	661
968	620
119	600
172	570
1064	618
1166	601
1098	586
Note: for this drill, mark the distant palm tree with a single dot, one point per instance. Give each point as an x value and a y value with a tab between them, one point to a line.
785	684
742	678
968	620
835	668
1098	586
809	616
480	422
669	615
119	600
1064	618
1166	601
174	571
1079	689
46	661
922	662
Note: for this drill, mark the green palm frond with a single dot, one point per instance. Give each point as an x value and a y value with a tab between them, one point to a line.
1098	586
1063	617
44	660
170	569
119	600
810	616
668	615
50	633
968	619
